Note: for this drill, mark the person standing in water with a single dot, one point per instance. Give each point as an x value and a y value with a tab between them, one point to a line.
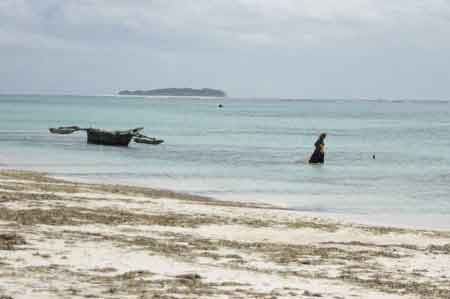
318	156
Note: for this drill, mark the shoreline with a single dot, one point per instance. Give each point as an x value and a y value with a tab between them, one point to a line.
75	240
428	221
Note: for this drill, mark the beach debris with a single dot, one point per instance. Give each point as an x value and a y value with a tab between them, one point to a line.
190	276
311	294
189	279
345	261
8	241
441	249
106	137
133	274
73	291
104	270
45	256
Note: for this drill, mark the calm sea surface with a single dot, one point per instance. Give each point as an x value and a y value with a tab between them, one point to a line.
251	149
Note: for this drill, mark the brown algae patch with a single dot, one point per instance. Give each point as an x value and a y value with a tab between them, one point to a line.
139	283
383	282
46	183
316	224
283	254
9	241
374	246
52	187
26	196
439	249
29	175
352	263
78	216
188	284
384	230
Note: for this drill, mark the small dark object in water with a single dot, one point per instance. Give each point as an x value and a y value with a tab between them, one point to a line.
148	140
220	105
318	156
373	157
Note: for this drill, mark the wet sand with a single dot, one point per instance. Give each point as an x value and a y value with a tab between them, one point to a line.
61	239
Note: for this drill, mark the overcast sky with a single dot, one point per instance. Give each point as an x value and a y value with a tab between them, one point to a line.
272	48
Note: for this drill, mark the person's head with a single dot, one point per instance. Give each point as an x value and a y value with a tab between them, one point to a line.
323	135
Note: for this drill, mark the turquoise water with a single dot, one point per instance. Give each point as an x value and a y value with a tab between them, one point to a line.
248	150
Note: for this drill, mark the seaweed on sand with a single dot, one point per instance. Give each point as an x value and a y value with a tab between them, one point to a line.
9	241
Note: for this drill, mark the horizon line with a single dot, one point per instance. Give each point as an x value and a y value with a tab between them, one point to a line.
286	98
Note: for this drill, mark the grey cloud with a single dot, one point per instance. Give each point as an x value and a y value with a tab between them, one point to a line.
228	22
251	47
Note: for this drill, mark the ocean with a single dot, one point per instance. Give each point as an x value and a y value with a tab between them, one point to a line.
248	150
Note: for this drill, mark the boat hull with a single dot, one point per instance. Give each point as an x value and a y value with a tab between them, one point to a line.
96	136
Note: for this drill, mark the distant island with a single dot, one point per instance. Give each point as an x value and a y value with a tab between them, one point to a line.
176	92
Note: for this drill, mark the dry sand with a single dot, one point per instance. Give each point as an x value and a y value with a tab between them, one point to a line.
61	239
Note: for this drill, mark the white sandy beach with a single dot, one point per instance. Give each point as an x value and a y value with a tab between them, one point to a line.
60	239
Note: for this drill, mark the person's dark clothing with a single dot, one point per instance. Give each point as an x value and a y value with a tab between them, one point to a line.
318	156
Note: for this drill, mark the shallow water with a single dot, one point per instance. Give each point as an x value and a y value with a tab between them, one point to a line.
251	149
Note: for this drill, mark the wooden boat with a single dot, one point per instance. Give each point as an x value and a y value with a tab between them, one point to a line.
64	130
122	138
148	140
105	137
